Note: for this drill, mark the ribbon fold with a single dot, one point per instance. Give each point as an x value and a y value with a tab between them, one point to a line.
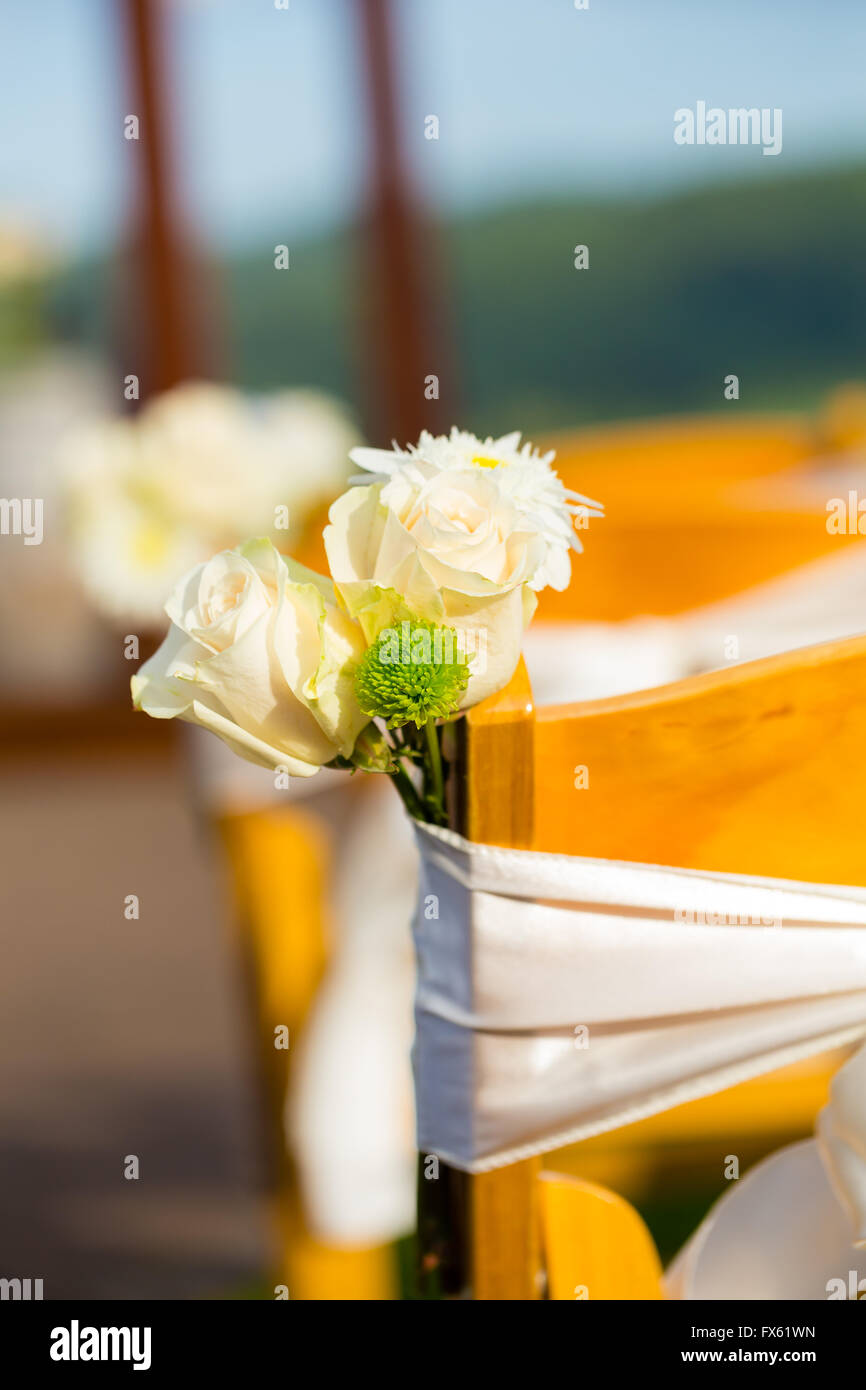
558	997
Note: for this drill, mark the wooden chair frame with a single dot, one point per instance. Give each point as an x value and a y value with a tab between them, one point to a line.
755	769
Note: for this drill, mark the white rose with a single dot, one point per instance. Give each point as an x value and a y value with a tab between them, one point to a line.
454	547
523	475
259	653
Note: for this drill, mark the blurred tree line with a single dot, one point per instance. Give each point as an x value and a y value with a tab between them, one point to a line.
762	279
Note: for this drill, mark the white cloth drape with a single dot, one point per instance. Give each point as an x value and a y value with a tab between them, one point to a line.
350	1113
558	997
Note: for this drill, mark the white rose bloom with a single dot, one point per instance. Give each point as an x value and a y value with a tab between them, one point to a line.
259	653
524	476
452	548
464	531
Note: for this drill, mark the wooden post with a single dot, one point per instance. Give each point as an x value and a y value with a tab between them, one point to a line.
165	302
402	327
494	776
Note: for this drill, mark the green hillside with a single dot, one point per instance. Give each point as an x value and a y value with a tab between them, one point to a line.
763	279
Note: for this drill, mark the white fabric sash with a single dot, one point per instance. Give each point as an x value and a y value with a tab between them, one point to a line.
558	997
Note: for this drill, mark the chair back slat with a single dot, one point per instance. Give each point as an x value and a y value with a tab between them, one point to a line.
697	509
756	769
596	1246
760	769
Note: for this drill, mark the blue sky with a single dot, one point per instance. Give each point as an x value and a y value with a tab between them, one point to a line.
533	97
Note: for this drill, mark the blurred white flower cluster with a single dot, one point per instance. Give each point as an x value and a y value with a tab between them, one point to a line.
199	468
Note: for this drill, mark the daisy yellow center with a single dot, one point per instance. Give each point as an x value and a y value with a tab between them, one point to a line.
484	462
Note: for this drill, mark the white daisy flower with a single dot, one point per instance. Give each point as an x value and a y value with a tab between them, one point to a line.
524	476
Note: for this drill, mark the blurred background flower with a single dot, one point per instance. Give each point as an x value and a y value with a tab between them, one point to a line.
200	468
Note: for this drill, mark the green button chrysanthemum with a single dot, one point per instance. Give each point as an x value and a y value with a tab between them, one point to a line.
411	674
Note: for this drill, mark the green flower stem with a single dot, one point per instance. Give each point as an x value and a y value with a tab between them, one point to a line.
435	783
406	788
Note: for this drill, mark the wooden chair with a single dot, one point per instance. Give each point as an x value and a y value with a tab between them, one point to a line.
758	769
697	509
673	510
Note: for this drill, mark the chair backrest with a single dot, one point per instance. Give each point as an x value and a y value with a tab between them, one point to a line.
697	509
688	448
755	769
759	768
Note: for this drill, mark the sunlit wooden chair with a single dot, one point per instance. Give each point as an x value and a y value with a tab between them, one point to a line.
697	508
758	769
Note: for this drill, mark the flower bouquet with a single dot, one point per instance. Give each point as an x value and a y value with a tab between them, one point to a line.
436	553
